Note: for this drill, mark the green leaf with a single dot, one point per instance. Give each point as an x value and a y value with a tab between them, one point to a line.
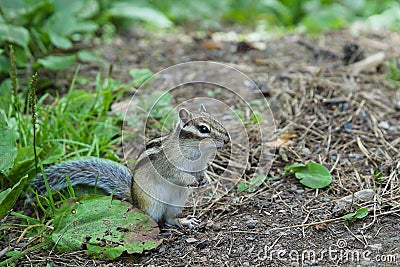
67	7
294	167
85	27
87	56
359	214
14	34
9	196
312	174
24	162
90	9
378	175
60	41
82	223
60	23
242	186
57	62
131	11
349	216
140	76
254	183
4	64
8	149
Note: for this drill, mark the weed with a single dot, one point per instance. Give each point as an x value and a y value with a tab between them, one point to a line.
313	175
77	124
254	183
394	70
351	217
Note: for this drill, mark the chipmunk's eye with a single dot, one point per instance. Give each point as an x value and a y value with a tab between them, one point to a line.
203	129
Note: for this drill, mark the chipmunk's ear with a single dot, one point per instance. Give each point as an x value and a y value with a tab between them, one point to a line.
184	115
202	109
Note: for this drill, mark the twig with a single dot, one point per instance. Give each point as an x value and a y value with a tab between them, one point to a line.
4	251
26	251
367	63
306	224
374	218
356	237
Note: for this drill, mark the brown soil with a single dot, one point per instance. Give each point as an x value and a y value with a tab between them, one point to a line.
323	113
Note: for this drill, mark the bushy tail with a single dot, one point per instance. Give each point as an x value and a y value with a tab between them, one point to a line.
102	173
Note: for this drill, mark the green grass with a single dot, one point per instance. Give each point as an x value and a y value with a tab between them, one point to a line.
74	125
38	131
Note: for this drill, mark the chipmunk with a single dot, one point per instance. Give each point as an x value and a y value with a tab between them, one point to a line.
162	175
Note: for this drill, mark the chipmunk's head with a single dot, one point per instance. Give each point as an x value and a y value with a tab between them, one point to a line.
197	127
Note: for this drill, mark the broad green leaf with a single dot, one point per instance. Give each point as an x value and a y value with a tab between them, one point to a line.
17	10
57	62
60	23
131	11
14	34
67	7
312	174
106	227
90	9
139	76
9	196
4	64
8	149
60	41
22	56
24	162
294	167
359	214
85	27
87	56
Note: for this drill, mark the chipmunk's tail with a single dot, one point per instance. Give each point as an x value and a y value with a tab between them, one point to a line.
105	174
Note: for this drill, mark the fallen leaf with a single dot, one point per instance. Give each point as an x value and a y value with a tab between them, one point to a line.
283	141
321	226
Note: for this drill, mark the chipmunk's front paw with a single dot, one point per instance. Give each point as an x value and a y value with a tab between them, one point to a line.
204	179
189	221
192	182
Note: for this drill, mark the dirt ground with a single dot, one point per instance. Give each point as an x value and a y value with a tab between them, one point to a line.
324	111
